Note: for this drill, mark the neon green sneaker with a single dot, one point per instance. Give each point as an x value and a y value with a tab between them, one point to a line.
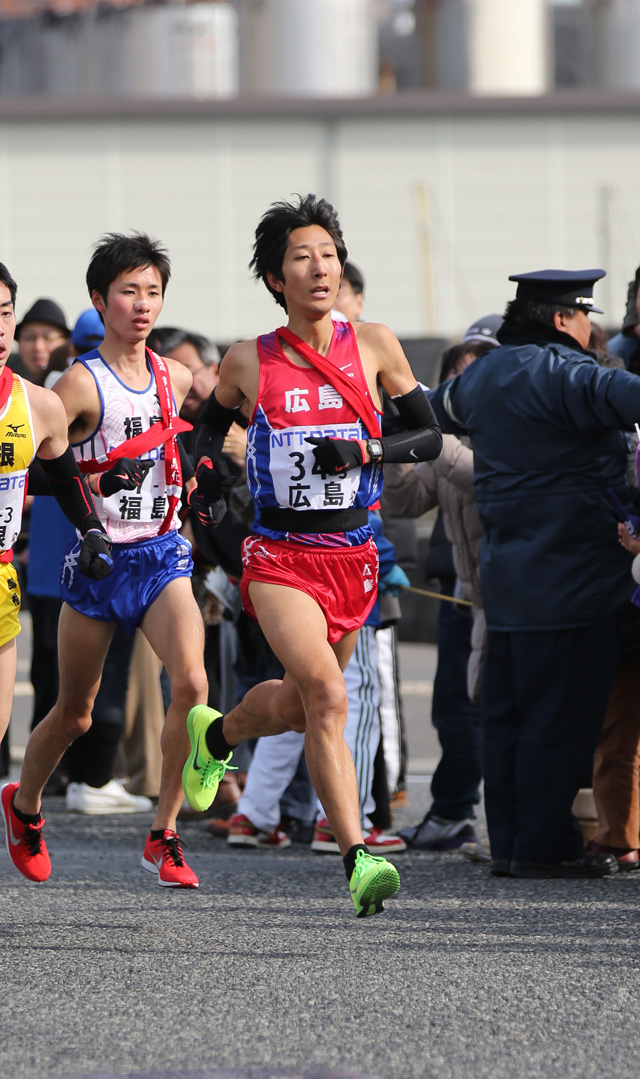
202	772
372	881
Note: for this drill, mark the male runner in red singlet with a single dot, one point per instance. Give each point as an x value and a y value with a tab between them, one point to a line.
32	421
314	467
122	403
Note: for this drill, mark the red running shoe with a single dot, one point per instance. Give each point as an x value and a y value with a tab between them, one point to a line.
242	833
164	857
25	844
379	842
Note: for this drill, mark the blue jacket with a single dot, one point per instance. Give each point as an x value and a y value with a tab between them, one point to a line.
545	422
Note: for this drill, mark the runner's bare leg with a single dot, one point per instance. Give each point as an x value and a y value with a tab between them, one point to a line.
173	626
83	644
311	697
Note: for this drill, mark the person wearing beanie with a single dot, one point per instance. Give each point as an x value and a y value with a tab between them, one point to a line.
42	329
626	344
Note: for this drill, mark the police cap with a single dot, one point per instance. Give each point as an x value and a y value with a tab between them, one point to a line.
574	288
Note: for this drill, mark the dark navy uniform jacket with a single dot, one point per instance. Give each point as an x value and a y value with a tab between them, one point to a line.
545	423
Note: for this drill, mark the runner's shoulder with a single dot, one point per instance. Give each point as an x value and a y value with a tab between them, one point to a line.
374	334
181	377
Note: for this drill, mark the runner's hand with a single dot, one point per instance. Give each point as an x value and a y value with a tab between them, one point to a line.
335	455
126	475
208	513
95	555
214	480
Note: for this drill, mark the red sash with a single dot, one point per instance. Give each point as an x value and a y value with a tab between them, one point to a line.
159	433
6	384
349	389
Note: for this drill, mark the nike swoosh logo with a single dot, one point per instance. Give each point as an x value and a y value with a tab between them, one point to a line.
14	841
412	453
196	766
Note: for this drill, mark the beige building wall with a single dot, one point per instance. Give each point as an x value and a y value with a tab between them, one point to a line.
439	204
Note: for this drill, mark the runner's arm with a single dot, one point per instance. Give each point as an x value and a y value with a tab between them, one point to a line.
421	439
68	487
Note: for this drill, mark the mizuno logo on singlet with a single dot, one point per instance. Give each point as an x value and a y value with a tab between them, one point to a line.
14	431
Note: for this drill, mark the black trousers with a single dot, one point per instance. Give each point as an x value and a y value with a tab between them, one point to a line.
544	696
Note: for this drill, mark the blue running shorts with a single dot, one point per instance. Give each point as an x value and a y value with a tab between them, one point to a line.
140	572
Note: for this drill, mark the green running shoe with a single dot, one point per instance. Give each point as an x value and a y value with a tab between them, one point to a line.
202	772
372	881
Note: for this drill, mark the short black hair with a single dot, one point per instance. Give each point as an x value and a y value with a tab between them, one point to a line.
353	275
114	253
519	312
7	280
451	357
275	227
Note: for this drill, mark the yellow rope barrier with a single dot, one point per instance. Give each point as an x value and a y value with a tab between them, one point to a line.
438	595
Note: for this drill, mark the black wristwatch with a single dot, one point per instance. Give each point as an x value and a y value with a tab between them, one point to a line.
374	449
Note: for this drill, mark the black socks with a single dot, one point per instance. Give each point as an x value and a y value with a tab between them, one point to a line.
25	818
349	859
216	741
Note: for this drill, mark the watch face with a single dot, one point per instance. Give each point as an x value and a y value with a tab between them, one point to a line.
375	449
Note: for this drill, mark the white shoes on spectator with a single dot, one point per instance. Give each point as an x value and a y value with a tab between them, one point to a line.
112	798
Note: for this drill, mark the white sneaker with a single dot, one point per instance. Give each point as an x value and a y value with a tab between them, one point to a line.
112	798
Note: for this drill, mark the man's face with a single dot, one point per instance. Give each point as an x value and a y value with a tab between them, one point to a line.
350	303
577	326
134	301
204	379
7	324
36	342
311	273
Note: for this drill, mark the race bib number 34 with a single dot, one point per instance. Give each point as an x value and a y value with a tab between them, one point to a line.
299	483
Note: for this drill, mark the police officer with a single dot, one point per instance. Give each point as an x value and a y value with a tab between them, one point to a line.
546	426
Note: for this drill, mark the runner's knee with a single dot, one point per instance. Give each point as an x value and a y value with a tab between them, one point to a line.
188	686
325	699
71	723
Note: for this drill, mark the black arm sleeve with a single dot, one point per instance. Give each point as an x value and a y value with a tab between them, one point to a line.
421	439
213	424
71	491
38	482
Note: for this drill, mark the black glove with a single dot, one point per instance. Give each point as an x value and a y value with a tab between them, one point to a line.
335	455
95	555
214	480
126	475
208	513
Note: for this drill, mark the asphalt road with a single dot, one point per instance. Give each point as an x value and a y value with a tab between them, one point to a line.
266	972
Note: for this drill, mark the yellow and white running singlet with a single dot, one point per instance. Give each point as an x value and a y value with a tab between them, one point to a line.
17	449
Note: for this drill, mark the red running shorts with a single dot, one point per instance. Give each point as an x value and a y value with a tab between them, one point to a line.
343	581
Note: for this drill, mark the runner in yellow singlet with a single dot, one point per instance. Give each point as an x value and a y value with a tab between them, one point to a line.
32	421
